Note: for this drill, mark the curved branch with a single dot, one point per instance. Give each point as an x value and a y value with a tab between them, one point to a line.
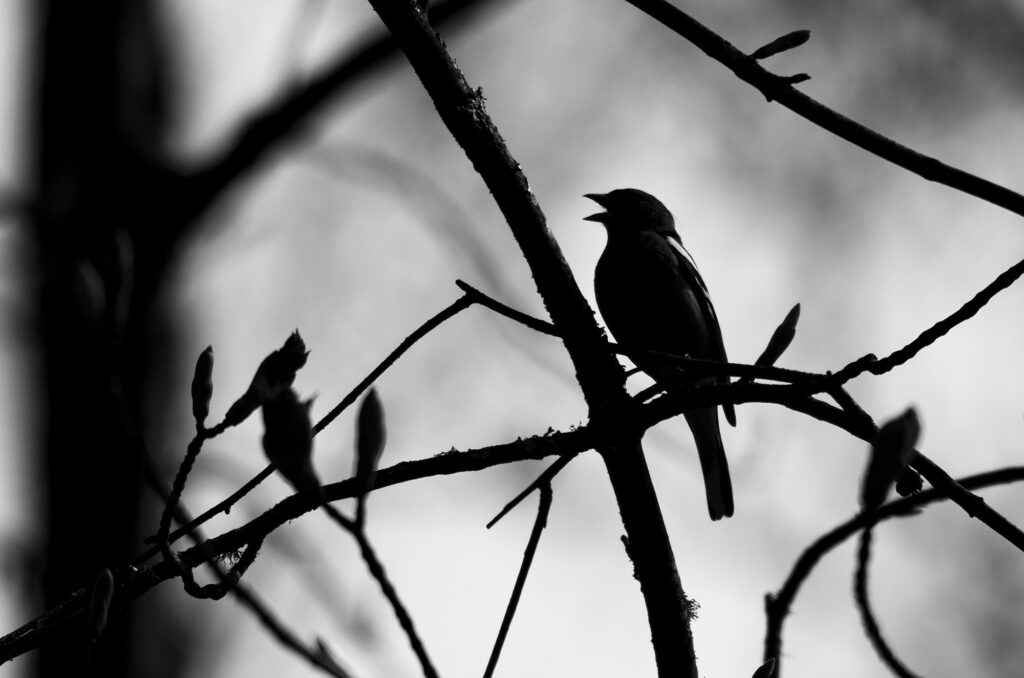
777	88
867	615
778	605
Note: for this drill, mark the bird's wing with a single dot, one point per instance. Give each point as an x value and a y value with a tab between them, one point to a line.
688	269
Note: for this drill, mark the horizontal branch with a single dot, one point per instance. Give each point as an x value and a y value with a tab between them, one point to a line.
133	582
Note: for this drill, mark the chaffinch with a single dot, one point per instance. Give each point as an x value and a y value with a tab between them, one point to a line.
653	299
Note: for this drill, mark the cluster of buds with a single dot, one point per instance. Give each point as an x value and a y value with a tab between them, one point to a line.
288	440
275	375
288	427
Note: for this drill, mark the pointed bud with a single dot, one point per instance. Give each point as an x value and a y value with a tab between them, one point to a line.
766	670
892	451
288	439
202	386
785	43
371	435
99	604
278	369
275	373
781	338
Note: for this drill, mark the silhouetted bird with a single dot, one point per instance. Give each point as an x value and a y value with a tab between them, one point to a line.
652	298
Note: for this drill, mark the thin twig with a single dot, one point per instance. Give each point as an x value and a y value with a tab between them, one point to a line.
285	635
694	366
779	604
279	122
933	333
242	592
543	508
867	616
542	326
223	506
542	481
777	88
460	304
171	504
376	569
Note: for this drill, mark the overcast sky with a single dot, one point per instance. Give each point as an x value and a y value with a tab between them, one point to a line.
356	235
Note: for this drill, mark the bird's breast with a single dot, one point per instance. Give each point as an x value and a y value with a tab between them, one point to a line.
646	301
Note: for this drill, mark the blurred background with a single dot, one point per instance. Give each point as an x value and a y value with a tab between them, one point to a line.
117	273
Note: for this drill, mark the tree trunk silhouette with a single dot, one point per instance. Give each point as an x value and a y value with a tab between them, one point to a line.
102	250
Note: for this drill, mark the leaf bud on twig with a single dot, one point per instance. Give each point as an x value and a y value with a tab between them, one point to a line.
275	374
202	386
890	454
371	435
288	439
782	44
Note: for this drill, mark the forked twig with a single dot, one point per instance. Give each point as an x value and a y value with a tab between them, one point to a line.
543	508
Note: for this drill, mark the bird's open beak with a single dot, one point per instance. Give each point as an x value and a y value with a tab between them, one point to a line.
602	200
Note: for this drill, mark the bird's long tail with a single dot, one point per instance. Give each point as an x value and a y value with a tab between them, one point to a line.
717	484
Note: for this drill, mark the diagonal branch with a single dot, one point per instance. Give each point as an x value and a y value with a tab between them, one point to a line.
543	508
932	334
246	596
453	309
777	88
281	121
377	571
599	374
855	422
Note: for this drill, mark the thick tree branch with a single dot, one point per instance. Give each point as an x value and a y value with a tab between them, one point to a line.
599	374
780	89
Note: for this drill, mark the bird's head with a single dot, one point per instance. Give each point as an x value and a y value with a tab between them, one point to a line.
631	209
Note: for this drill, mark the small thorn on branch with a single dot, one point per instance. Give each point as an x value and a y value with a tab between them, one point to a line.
783	44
